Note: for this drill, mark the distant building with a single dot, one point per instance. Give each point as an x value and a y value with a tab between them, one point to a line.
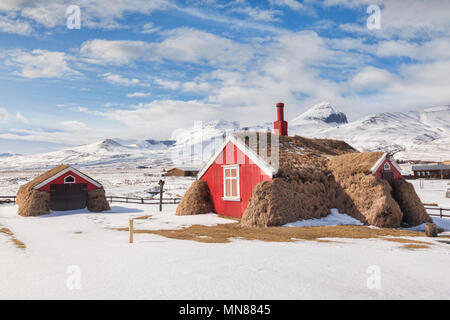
181	172
437	171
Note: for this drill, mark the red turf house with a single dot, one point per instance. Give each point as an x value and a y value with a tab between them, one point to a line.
235	169
386	168
67	186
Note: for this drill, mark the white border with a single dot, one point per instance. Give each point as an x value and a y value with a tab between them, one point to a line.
380	162
59	174
260	162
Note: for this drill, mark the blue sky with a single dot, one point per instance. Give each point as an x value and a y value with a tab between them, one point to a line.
141	69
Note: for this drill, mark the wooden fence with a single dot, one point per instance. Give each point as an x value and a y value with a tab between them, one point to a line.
8	199
441	212
12	199
142	200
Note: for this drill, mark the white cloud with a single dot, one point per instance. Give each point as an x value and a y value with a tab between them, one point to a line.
138	95
184	44
73	125
115	52
412	19
95	14
149	28
3	114
371	78
41	63
20	117
168	84
160	117
118	79
351	3
199	87
16	26
258	14
293	4
435	49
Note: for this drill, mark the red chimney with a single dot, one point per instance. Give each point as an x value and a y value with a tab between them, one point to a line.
280	126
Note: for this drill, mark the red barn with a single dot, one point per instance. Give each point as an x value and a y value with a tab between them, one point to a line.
231	175
235	169
68	188
61	188
386	168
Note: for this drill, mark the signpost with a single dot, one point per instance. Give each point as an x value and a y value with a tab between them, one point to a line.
161	186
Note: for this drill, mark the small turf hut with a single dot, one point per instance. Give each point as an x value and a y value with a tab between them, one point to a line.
61	188
303	179
181	172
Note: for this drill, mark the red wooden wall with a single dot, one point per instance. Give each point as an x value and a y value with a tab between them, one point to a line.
60	180
397	174
249	175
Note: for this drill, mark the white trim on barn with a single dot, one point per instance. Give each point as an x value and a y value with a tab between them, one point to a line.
59	174
380	162
70	176
252	155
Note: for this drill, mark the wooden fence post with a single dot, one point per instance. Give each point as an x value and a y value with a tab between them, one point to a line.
131	229
161	190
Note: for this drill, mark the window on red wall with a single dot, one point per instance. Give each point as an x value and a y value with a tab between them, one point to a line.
231	189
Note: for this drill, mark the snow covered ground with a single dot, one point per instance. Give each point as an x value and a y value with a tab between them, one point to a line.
433	192
79	255
130	182
335	218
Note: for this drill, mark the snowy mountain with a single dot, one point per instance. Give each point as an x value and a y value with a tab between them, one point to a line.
410	135
320	113
413	135
3	155
106	152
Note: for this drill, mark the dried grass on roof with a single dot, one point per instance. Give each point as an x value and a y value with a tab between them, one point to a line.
375	199
41	178
315	175
355	162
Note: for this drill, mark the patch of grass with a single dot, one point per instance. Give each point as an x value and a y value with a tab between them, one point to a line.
223	233
408	241
143	217
19	244
415	246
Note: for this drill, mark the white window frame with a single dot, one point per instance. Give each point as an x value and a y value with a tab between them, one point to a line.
74	179
238	196
387	166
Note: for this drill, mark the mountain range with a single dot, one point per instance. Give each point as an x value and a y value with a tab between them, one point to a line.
413	135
